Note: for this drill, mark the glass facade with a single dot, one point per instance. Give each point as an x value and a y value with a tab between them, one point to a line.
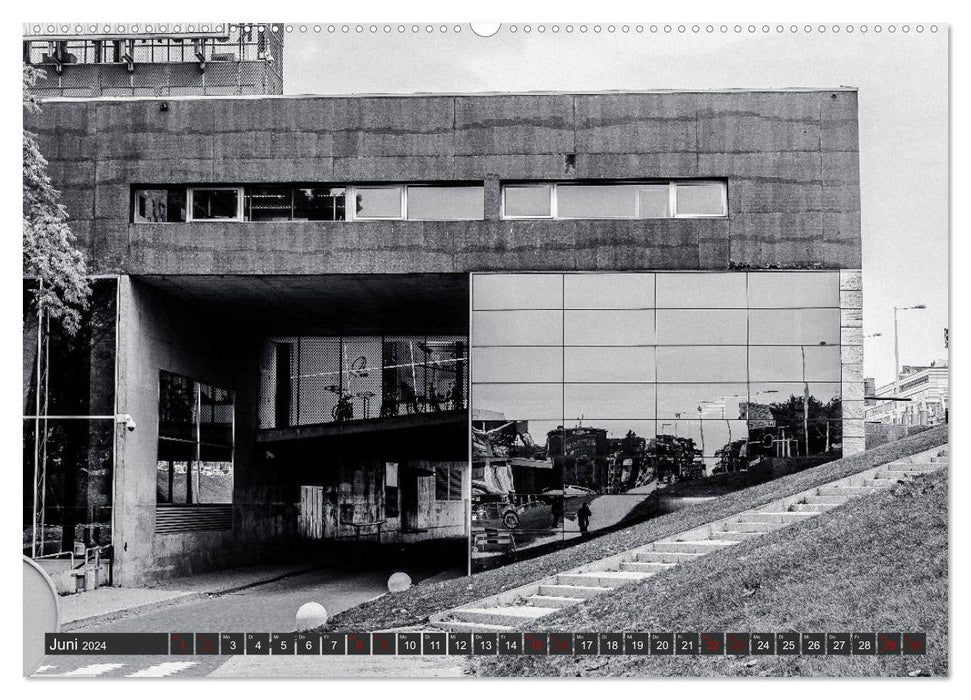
69	425
590	390
310	380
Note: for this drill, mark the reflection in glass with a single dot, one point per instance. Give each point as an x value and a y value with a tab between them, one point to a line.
526	200
654	201
709	436
794	327
593	364
518	364
517	291
602	457
701	327
517	328
821	395
820	363
701	364
609	327
445	203
723	401
793	289
701	290
608	291
596	201
797	438
518	401
215	204
592	401
377	202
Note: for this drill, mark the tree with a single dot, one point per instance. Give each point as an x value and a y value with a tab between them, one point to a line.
49	252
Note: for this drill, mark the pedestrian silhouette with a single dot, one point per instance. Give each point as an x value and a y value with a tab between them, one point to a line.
583	517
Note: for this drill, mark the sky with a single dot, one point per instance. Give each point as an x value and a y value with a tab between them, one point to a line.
903	109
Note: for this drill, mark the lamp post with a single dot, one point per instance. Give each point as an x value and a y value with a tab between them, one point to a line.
896	346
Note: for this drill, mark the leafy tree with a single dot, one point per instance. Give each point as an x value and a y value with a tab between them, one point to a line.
49	252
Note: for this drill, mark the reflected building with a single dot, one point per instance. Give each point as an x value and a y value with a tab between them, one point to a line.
445	320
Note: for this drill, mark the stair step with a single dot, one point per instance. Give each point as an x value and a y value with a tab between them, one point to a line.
895	476
738	526
738	536
565	591
460	626
812	507
779	517
913	466
669	557
845	490
703	546
647	567
609	579
511	615
879	483
831	500
549	601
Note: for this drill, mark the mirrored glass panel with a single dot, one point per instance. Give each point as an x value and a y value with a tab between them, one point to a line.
605	457
596	201
608	291
518	364
215	204
709	437
318	204
794	326
600	327
593	364
445	203
538	291
771	399
587	402
517	328
701	290
377	202
701	327
268	204
533	519
701	364
820	363
701	199
518	401
161	205
793	289
527	201
796	438
723	401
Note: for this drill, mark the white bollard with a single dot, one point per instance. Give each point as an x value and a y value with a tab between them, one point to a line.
399	582
311	616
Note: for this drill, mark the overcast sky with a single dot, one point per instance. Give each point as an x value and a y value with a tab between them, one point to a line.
902	79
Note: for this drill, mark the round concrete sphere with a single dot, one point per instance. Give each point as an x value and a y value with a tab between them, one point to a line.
399	582
310	616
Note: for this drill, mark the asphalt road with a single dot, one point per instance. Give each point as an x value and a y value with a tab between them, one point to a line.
267	608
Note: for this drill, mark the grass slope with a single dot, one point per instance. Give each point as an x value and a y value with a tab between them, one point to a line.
875	564
415	605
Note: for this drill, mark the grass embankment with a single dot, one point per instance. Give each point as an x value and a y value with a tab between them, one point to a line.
415	605
876	564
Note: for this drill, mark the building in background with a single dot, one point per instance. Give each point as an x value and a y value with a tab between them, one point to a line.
309	299
922	393
105	60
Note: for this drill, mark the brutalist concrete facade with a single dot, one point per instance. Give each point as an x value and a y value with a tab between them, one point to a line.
790	159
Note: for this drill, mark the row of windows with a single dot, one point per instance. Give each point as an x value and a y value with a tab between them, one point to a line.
651	200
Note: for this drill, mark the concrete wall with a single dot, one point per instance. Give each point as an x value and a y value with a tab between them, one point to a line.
791	159
155	333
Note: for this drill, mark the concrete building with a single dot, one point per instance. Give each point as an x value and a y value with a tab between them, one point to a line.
924	391
306	299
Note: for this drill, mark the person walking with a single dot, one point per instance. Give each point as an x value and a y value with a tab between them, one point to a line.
583	518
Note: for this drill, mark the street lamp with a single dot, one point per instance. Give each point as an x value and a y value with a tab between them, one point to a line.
896	345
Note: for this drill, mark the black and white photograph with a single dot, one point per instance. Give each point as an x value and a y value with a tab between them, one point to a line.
464	350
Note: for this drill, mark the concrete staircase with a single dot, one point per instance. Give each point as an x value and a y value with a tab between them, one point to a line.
510	609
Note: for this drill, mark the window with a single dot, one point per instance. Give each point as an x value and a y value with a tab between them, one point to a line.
378	203
318	204
195	442
391	490
445	203
215	203
448	483
622	200
159	205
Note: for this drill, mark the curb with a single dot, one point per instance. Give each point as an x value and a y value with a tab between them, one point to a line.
187	597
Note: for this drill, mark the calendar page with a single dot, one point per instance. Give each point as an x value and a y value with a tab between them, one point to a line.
437	349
